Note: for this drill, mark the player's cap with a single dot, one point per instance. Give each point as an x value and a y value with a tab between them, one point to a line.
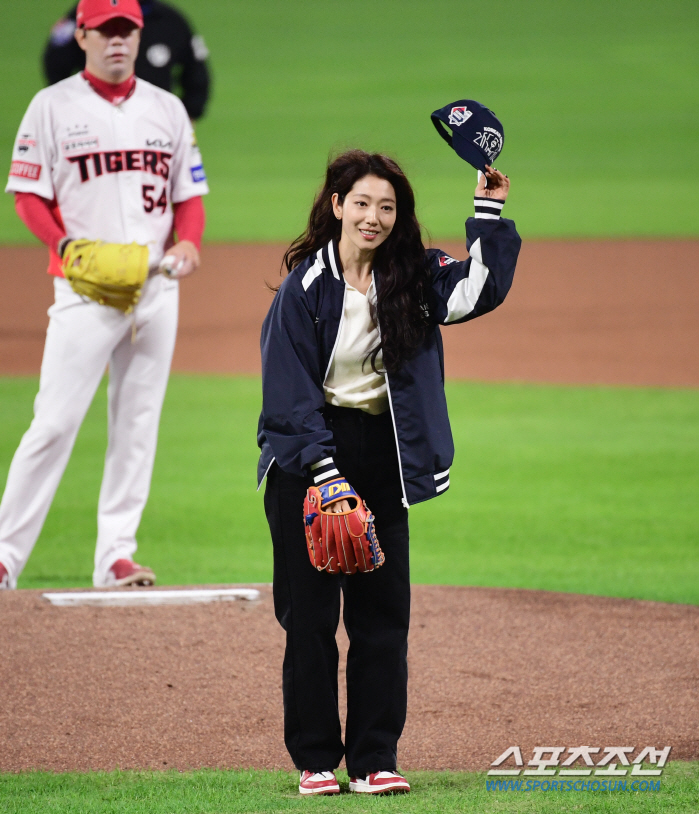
476	135
92	13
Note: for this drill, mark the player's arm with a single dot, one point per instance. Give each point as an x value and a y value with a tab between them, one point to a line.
190	219
30	179
41	218
188	186
463	290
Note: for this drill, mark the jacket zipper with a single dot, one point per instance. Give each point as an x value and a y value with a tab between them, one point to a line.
395	432
393	417
388	388
339	329
262	479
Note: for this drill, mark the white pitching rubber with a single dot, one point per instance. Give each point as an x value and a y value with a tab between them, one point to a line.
131	597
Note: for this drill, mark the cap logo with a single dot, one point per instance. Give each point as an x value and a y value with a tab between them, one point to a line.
490	141
114	3
458	115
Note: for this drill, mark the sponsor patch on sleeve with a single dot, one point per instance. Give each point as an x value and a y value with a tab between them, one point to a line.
198	173
23	169
25	143
445	260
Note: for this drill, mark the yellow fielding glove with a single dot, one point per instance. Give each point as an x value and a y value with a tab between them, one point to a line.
112	274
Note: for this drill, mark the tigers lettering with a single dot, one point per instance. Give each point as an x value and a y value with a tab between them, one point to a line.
92	165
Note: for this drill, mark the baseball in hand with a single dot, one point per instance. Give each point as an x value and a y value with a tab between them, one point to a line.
171	265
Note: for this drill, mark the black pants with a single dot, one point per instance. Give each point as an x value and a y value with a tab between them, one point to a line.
376	611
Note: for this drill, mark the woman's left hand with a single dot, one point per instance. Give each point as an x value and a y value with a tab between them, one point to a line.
498	184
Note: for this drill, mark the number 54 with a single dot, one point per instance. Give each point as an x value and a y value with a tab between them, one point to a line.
149	202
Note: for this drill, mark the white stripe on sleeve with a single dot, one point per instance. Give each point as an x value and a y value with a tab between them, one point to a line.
488	208
324	470
467	291
325	476
333	264
314	271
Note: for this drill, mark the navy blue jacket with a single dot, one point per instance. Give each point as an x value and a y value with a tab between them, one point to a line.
298	341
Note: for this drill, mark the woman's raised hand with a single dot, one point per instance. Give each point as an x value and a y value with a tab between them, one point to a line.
498	184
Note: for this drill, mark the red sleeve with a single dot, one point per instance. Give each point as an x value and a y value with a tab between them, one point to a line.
189	220
41	217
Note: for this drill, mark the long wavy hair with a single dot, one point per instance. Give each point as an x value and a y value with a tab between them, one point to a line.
400	261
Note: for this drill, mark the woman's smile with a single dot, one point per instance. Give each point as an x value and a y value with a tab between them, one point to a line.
369	234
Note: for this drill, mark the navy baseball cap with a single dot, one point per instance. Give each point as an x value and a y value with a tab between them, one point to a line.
476	135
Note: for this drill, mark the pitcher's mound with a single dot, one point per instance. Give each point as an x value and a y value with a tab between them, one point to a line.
186	686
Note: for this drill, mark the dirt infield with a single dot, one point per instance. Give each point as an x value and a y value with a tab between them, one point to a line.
598	312
185	687
181	687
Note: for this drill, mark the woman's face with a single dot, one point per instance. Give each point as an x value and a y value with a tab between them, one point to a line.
368	212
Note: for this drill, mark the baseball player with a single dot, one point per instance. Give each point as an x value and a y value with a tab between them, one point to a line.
354	404
169	51
102	156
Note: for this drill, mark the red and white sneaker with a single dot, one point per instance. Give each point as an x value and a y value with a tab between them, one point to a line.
125	572
318	783
4	578
380	783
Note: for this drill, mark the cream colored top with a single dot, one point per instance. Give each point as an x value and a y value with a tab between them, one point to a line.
351	382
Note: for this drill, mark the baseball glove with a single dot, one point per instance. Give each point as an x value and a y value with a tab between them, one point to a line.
340	542
109	273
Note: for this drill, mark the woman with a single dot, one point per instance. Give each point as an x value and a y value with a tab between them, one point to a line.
353	386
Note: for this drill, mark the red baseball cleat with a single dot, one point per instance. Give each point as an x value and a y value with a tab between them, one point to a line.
4	577
125	572
380	783
318	783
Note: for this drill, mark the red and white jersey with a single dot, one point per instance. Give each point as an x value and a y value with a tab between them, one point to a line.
114	170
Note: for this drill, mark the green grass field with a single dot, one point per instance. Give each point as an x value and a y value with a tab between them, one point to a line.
244	792
583	489
589	490
599	100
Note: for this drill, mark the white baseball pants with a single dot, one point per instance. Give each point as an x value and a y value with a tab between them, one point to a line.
84	337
